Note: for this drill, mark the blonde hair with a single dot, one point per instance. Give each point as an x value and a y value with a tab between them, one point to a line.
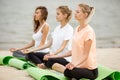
66	10
86	8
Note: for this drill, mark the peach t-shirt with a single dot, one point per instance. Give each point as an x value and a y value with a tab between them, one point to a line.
79	59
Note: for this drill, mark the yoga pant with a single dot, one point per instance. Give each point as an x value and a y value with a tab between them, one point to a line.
76	73
20	55
36	57
79	73
51	61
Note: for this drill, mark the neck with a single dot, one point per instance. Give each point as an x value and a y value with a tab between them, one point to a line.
63	23
41	22
83	24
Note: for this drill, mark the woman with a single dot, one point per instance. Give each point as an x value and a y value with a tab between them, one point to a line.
83	53
60	38
39	38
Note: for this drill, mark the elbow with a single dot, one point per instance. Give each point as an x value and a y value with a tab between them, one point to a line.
49	45
62	48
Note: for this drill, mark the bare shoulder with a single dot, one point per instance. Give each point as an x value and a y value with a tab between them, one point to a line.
46	27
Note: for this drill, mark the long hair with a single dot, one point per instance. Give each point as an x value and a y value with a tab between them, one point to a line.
44	15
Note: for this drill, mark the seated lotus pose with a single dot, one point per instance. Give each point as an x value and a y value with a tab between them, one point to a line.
83	52
59	41
39	38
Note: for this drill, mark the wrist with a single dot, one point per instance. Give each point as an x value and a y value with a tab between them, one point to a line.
55	53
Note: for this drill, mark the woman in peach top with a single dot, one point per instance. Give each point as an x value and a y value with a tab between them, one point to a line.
83	53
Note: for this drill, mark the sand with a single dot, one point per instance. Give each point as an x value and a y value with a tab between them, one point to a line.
109	57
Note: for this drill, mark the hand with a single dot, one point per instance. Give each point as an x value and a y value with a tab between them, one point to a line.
13	49
25	51
41	66
47	56
70	66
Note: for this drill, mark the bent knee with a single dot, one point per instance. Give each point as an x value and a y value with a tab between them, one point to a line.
50	62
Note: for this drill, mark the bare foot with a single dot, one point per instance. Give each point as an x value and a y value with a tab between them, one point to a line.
41	66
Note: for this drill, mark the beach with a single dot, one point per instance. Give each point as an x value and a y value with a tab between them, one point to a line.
16	29
108	57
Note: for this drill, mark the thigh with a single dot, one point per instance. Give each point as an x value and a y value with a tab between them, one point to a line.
39	54
59	60
18	54
33	55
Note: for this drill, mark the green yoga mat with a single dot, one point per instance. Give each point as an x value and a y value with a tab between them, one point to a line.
18	63
45	74
5	59
106	73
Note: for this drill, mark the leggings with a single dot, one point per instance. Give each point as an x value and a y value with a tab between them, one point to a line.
20	55
76	73
36	57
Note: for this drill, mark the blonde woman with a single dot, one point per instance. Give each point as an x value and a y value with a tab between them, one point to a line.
83	52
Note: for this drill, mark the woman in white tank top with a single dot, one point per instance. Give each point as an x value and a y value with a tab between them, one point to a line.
60	38
39	38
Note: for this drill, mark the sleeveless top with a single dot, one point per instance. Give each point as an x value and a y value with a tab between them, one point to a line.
37	38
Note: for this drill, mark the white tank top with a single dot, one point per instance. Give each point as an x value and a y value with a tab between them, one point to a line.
37	38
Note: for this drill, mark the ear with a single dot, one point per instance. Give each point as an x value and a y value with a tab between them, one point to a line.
65	15
86	15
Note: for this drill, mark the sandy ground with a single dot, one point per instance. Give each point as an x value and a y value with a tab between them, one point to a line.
109	57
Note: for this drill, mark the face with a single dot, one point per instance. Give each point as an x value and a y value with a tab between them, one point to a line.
79	15
38	14
59	16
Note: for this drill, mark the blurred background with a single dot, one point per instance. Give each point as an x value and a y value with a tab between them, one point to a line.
16	20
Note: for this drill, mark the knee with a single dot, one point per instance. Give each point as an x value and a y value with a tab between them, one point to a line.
29	56
16	52
50	62
67	73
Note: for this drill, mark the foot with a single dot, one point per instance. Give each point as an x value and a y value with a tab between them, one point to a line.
41	66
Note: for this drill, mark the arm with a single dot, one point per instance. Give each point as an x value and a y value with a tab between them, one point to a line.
62	55
43	47
44	35
25	47
87	46
57	56
64	43
29	45
42	44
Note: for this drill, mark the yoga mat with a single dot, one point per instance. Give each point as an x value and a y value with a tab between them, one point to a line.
45	74
5	59
18	63
105	73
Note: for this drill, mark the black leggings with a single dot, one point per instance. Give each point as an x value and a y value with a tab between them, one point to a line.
36	57
20	55
77	73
